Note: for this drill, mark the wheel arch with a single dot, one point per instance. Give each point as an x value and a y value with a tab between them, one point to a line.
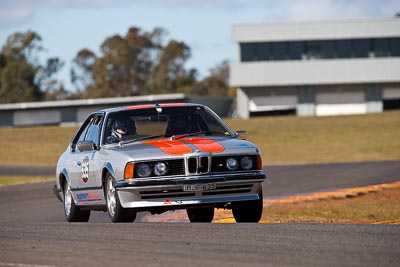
107	169
62	177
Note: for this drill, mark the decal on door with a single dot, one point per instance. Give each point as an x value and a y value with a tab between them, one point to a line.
85	169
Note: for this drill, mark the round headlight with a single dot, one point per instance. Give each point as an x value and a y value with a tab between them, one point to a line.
160	168
232	164
143	170
246	163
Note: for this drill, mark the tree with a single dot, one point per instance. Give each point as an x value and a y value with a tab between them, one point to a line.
169	74
135	64
81	73
217	83
22	78
17	83
124	68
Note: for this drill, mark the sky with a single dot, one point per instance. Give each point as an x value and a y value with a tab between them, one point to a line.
67	26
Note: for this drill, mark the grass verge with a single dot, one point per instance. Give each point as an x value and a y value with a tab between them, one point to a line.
371	207
300	140
13	180
365	208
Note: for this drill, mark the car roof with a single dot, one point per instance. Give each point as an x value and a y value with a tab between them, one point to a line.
145	106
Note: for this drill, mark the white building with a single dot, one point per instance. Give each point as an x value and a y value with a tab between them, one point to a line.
317	68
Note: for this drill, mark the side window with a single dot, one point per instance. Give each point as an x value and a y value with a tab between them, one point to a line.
93	132
83	133
90	130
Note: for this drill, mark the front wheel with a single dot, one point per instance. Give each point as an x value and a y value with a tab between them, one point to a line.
200	214
115	211
248	211
72	212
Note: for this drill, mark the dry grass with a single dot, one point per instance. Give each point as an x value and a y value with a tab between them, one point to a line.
377	206
33	145
282	140
12	180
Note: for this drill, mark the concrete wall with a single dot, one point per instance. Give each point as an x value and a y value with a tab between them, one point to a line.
75	111
320	100
315	72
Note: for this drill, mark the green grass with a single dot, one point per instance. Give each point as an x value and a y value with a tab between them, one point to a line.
282	140
12	180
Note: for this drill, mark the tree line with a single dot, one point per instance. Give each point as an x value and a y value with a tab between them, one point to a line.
139	63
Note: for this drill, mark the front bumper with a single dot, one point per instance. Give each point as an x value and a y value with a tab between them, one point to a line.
169	193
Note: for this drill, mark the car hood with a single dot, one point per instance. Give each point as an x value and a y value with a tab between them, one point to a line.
161	148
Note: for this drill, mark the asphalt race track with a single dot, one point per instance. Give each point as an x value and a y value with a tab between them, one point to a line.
33	231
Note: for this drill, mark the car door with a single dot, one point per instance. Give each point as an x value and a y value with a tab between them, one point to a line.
74	157
89	171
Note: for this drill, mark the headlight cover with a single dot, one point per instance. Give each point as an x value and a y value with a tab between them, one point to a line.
232	164
143	170
246	163
160	168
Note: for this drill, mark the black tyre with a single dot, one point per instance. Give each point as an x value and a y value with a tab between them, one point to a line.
200	214
115	211
72	212
248	211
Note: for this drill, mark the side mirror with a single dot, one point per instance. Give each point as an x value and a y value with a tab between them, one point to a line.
86	146
241	134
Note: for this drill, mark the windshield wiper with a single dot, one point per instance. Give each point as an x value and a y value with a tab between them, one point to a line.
180	136
140	139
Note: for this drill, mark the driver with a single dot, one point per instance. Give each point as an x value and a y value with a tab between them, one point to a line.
179	124
122	127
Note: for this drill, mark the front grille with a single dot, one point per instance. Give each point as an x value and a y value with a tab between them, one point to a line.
230	189
154	194
198	165
179	193
176	167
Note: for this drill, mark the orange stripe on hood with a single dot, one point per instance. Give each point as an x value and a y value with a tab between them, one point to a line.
173	147
205	144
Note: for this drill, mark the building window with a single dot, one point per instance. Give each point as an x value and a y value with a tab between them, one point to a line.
263	51
278	50
361	48
324	49
395	47
247	52
312	50
344	49
295	50
381	47
328	49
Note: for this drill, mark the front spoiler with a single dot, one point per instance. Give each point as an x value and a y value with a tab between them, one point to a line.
212	178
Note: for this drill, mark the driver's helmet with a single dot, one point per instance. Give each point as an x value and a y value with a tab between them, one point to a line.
122	127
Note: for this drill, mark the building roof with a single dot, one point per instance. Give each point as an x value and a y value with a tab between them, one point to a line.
327	30
93	102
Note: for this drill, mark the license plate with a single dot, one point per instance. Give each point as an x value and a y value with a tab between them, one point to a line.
199	187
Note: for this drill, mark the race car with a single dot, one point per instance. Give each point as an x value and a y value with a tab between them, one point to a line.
157	158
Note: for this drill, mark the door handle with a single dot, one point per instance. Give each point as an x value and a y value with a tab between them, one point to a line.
79	163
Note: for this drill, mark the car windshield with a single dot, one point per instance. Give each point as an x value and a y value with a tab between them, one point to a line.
174	122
